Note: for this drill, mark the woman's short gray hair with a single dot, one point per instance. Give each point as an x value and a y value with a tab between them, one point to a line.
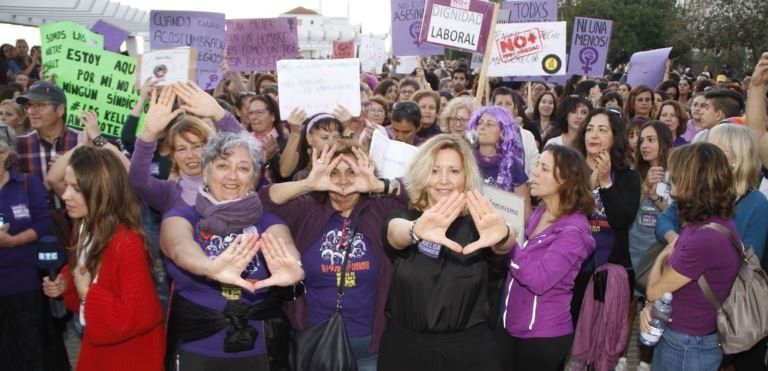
223	144
8	142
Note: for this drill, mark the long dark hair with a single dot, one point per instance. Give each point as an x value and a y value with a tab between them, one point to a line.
569	105
328	123
664	136
619	149
111	202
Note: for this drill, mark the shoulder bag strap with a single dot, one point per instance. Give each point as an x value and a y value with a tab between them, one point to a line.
344	263
703	284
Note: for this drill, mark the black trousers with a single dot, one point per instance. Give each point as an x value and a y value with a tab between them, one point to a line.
472	349
535	354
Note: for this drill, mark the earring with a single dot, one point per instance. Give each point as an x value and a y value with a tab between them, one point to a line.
205	187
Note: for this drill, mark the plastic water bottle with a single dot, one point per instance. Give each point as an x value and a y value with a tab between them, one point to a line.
660	314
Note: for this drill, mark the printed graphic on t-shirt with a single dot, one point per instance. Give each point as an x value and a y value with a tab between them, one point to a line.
214	245
599	219
332	254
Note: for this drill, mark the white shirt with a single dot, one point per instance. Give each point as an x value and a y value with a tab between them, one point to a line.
531	151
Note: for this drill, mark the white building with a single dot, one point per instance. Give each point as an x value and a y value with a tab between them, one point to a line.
317	33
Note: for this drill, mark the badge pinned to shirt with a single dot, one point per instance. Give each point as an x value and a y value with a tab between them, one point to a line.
430	249
20	211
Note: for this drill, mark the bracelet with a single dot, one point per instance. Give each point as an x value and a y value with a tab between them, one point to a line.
99	141
414	239
505	239
395	184
386	185
657	199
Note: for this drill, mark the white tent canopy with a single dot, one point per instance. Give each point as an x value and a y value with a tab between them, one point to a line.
85	12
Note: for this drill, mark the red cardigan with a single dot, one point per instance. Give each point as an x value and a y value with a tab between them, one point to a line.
124	320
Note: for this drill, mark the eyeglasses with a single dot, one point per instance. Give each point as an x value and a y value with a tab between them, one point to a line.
408	106
37	105
407	91
457	121
246	94
376	111
257	112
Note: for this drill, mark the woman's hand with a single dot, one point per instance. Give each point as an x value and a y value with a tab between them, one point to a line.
296	118
230	264
434	222
270	147
342	114
602	171
160	113
645	318
365	176
198	102
6	240
55	288
146	88
489	223
82	280
655	175
284	268
90	121
319	178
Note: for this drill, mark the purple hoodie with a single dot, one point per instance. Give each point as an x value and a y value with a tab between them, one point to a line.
539	285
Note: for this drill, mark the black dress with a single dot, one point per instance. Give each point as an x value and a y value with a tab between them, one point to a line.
437	309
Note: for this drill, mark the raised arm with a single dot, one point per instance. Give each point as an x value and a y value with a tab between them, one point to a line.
289	159
756	111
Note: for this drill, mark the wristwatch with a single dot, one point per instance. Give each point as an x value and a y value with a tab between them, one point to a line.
99	141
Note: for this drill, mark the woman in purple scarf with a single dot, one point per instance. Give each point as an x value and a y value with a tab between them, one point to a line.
223	252
500	154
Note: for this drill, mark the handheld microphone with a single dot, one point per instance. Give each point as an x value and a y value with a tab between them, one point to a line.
50	257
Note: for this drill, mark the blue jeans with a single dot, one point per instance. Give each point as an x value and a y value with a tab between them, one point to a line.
677	351
366	361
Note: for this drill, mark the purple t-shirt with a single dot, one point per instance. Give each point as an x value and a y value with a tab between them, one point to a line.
214	295
690	132
322	267
708	252
489	167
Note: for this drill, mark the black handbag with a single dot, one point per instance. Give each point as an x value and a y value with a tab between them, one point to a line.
325	346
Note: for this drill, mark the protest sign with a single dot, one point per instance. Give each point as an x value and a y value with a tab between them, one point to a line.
391	157
557	79
648	67
589	46
343	49
257	44
477	61
511	207
406	27
318	85
528	49
200	30
407	64
372	54
522	11
166	66
459	24
113	35
91	77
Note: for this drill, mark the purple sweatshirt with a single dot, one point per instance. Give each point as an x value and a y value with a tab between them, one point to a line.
539	285
163	195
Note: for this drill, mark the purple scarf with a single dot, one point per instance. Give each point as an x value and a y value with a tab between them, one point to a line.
222	218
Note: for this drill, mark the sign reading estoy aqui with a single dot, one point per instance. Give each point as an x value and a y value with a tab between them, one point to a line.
458	24
200	30
257	44
91	77
519	11
407	16
343	49
528	49
589	46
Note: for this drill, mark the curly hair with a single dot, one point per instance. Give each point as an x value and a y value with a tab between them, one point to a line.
510	148
619	149
701	182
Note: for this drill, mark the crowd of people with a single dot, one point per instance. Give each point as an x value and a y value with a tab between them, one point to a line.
211	236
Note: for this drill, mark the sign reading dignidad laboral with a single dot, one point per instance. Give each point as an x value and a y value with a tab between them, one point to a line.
458	24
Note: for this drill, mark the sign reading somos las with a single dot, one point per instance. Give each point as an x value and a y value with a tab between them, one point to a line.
91	77
459	24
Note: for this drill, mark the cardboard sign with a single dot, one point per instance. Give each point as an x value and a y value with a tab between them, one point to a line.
528	49
257	44
166	66
343	49
113	35
372	54
200	30
407	64
391	157
648	67
318	85
526	11
407	16
511	207
458	24
91	77
589	46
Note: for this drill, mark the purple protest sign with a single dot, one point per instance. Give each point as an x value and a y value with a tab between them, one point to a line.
406	27
526	11
648	67
589	46
257	44
458	24
113	35
203	31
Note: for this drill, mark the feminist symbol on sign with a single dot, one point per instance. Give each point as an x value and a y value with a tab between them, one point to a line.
213	78
587	57
415	30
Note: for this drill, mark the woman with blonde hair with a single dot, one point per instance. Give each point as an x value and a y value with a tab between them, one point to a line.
13	115
438	297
